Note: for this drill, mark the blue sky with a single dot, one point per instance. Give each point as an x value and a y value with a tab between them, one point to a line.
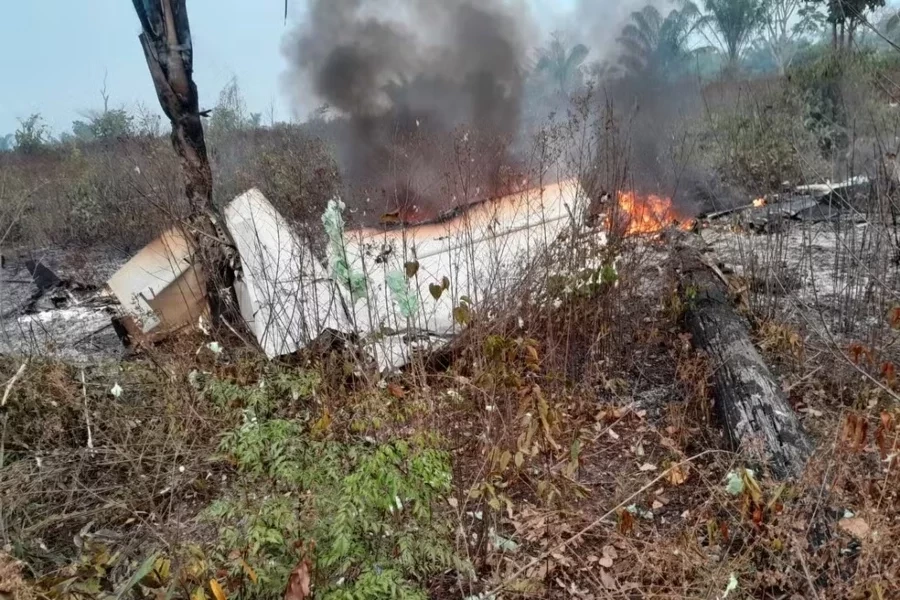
56	52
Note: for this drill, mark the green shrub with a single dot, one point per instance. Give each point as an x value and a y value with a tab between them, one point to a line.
363	512
32	135
765	144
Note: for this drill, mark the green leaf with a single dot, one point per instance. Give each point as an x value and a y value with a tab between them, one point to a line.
608	275
504	460
136	577
503	543
462	314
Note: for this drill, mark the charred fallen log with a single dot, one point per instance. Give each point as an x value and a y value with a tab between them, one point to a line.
754	411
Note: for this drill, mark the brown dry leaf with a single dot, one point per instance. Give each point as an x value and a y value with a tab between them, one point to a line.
757	516
862	427
396	391
298	587
609	582
626	521
539	571
884	435
218	592
610	552
889	372
678	474
669	443
12	584
855	526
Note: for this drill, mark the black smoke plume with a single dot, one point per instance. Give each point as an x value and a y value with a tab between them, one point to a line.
407	78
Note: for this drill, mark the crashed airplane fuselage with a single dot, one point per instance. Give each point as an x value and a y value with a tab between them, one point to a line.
396	289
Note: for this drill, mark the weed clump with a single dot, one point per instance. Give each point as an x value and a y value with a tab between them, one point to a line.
364	513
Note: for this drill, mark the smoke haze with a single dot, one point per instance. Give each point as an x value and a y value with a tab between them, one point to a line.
409	79
401	72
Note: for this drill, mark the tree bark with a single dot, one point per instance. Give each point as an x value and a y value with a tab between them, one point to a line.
755	414
166	41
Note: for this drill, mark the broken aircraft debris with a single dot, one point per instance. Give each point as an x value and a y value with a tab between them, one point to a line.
397	290
160	289
813	203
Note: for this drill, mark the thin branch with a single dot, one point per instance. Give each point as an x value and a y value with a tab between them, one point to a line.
9	386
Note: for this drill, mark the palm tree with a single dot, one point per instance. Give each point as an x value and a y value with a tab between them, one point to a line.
560	63
655	45
731	25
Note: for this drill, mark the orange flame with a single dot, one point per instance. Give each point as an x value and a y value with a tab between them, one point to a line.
648	214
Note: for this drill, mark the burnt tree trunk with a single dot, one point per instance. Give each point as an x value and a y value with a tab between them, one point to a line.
755	413
166	40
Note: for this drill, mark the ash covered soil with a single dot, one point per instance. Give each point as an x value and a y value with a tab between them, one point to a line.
53	302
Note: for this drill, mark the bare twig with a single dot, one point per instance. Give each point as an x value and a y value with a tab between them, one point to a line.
809	580
87	414
5	419
10	384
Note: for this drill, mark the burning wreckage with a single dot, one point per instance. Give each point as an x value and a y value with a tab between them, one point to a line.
399	290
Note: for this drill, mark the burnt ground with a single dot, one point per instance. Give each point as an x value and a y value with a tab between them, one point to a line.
52	302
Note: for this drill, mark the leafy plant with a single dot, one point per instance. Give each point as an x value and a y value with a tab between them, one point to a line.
230	114
363	513
32	134
765	146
